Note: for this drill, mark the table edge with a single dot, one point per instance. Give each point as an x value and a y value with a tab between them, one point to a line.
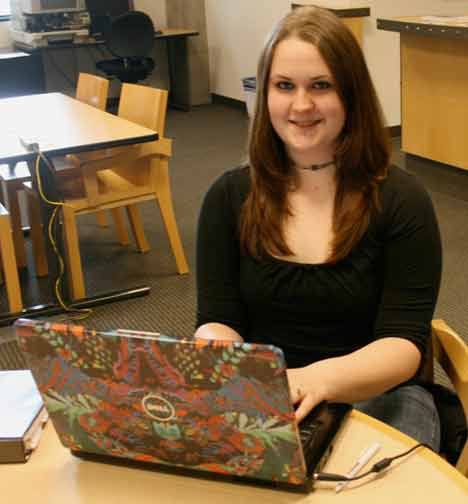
436	30
28	156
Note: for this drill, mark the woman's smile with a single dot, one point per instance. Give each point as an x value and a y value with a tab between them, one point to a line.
305	124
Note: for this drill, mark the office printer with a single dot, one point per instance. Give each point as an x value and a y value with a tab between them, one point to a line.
46	27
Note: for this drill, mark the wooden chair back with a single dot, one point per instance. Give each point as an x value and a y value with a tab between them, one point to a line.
144	105
93	90
452	354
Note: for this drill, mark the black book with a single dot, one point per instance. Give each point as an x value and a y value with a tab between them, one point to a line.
22	415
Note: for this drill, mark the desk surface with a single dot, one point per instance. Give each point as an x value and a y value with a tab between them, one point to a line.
175	32
53	476
7	53
163	33
62	125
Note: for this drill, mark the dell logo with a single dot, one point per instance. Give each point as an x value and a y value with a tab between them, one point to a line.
158	408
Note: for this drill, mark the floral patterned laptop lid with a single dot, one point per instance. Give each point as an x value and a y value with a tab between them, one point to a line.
205	405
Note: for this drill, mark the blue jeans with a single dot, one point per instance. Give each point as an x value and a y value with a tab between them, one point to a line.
410	409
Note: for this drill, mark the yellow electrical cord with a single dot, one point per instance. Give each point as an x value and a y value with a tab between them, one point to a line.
81	313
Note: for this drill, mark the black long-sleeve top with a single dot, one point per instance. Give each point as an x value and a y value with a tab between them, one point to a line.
387	285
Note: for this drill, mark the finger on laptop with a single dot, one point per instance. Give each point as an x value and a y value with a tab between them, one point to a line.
306	405
296	387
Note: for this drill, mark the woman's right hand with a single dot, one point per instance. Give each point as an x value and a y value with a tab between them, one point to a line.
216	331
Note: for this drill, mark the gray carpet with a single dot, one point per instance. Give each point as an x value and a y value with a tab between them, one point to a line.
207	141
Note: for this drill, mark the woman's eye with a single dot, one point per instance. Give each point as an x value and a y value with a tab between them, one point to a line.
284	85
322	85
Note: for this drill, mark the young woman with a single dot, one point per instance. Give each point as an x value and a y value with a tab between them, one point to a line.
318	245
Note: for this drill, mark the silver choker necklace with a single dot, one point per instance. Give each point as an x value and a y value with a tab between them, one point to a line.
316	167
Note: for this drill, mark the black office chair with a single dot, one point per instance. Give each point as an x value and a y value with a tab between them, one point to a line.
130	37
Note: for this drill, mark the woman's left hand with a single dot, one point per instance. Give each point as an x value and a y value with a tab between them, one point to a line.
307	388
349	378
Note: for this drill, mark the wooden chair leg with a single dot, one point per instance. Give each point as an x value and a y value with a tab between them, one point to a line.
101	218
120	227
15	219
134	217
163	189
75	269
10	268
37	235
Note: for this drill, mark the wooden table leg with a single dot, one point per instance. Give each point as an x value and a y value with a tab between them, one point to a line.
15	218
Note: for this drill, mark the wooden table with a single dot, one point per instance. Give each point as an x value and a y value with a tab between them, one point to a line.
61	125
53	476
434	82
177	58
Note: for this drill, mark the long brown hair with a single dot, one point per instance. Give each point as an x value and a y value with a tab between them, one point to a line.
363	147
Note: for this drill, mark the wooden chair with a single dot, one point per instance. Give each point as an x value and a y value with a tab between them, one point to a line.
9	266
123	178
452	354
91	89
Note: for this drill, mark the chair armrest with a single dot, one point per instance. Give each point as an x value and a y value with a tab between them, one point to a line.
84	157
453	345
119	158
160	147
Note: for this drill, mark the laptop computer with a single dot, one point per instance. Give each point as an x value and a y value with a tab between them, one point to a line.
210	406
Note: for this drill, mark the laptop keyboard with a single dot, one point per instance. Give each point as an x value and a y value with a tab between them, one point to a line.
317	430
308	431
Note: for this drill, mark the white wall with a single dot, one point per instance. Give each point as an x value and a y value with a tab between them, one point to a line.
237	29
156	9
